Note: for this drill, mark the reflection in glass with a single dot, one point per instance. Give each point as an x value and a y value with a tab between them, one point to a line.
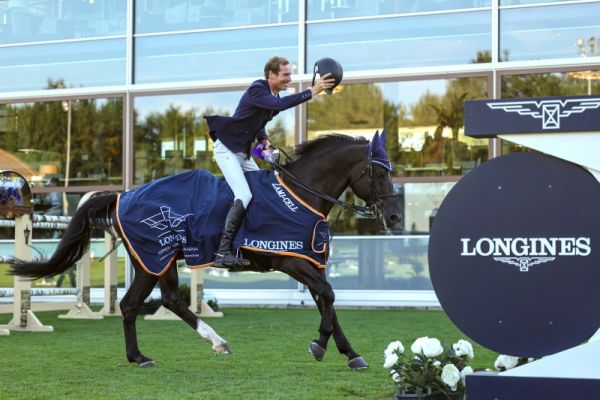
153	16
382	263
421	202
218	278
34	139
423	119
213	55
94	63
34	20
575	83
523	2
534	33
424	40
318	9
171	134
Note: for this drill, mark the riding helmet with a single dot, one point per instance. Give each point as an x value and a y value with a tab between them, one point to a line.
328	66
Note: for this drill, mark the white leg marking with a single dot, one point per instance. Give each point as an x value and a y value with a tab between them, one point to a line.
209	333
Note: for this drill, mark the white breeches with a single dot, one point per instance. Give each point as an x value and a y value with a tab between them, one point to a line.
233	166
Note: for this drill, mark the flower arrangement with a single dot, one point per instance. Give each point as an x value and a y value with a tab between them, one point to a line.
504	362
431	368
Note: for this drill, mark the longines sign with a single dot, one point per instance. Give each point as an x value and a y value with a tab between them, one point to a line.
488	118
526	252
514	256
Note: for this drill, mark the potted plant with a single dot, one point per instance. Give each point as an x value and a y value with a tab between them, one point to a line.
429	370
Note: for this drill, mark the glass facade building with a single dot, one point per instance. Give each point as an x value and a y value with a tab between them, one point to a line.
110	94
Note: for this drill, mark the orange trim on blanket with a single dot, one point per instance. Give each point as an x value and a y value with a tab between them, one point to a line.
135	254
312	242
287	253
299	198
200	266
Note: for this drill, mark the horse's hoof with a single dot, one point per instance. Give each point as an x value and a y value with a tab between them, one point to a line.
147	364
358	363
222	348
317	351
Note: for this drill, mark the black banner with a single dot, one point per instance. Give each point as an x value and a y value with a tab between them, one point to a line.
514	257
488	118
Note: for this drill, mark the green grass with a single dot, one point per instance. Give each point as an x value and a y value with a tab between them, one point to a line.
85	359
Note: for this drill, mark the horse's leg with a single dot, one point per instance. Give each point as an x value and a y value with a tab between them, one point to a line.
169	288
140	288
355	361
324	296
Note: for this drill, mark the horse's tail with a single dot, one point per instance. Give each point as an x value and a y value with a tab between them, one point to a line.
94	213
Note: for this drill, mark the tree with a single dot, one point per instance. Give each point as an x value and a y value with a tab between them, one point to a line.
354	107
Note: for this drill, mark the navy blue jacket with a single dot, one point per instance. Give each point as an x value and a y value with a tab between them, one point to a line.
257	107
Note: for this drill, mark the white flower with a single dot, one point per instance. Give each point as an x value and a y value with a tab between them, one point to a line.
450	376
390	360
432	348
506	362
437	363
394	346
463	374
396	376
417	346
463	348
429	347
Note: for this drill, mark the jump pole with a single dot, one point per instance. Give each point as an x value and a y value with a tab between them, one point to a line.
81	309
111	305
24	320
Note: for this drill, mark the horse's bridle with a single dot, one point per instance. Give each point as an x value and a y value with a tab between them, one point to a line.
373	209
376	204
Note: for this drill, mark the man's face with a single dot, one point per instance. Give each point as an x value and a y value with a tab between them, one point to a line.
282	80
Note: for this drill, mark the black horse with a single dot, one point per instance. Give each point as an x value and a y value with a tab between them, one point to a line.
321	170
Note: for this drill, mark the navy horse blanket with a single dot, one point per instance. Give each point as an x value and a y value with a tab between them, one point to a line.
182	216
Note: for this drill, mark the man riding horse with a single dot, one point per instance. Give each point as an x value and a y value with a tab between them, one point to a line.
234	136
181	216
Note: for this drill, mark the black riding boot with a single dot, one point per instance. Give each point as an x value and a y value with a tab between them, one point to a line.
225	257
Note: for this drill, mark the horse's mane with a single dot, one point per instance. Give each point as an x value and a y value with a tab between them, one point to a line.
323	144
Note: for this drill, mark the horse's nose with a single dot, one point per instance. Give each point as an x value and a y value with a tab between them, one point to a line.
394	218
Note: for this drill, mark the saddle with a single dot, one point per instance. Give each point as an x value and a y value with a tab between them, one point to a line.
182	217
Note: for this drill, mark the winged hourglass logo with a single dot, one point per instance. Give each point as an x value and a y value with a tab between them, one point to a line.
165	219
524	262
549	111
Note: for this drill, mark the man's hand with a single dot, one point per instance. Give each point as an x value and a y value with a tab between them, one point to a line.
266	143
322	84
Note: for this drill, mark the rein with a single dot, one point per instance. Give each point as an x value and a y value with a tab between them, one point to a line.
366	211
370	212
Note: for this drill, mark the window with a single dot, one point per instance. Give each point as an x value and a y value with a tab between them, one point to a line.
329	9
171	134
35	20
74	64
38	137
213	55
153	16
407	41
534	33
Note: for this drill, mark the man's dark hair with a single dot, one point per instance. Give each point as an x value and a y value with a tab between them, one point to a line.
273	65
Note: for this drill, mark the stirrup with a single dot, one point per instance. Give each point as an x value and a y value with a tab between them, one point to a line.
229	260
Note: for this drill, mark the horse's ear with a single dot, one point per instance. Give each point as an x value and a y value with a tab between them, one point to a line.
382	139
374	144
